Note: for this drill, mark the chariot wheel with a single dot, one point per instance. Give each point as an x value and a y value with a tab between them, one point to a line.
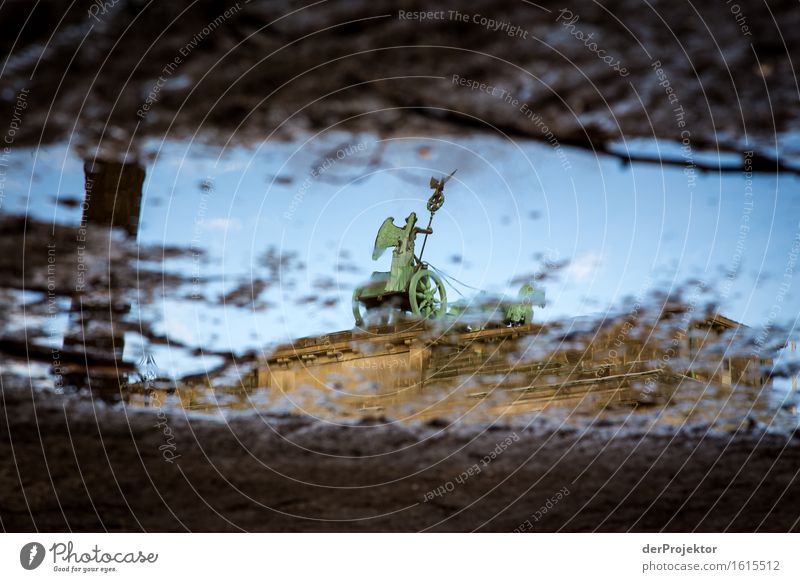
427	295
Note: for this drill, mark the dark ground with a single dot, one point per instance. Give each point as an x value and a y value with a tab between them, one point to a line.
275	68
71	466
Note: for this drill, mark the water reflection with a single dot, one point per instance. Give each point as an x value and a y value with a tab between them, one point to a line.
195	282
677	369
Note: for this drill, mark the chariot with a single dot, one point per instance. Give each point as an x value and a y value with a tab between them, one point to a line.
411	286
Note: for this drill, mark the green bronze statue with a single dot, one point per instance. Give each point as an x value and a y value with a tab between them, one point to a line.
486	311
412	286
403	257
409	285
521	313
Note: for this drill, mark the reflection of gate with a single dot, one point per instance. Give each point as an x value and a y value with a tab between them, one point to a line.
395	363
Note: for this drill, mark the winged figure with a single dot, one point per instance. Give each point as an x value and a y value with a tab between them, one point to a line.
402	239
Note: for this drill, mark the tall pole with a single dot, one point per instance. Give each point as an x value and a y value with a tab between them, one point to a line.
435	203
425	240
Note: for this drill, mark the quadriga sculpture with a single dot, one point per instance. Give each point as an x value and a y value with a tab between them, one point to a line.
410	285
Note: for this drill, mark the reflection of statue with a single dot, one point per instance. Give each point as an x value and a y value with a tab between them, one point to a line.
409	286
402	239
522	313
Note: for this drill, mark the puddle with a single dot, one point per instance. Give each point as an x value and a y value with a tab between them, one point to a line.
184	280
